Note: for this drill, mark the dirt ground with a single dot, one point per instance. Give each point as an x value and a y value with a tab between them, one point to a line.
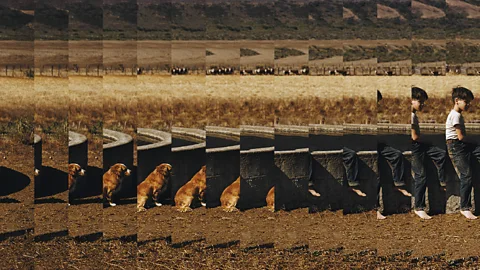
292	240
209	238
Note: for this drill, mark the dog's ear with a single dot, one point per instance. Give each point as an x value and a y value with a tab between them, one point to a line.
72	168
164	168
117	169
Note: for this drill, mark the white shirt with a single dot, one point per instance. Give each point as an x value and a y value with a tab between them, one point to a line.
414	119
454	118
415	123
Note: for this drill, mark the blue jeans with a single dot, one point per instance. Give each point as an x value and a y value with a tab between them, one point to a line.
394	158
438	157
460	153
350	162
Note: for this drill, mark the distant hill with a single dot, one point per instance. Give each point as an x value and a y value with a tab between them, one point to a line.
286	52
319	53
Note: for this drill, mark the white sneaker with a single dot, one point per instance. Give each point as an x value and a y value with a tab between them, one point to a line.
468	214
204	204
422	214
158	204
113	204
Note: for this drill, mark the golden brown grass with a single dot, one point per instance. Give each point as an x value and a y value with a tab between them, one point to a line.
89	104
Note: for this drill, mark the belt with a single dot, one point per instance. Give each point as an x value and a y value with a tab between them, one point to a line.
450	141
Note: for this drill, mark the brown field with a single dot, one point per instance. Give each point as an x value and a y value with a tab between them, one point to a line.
84	53
153	53
16	52
51	53
292	61
225	53
119	52
266	50
190	54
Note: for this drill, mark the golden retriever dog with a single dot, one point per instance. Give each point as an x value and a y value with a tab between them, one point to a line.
155	184
112	180
230	196
74	171
271	199
193	188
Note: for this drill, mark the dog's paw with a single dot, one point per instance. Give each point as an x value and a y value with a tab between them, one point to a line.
185	209
230	209
141	209
158	204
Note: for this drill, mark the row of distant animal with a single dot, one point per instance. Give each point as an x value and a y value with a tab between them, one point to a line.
305	70
231	70
156	184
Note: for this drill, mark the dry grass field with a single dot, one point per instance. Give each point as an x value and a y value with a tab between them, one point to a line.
395	105
119	102
154	99
194	101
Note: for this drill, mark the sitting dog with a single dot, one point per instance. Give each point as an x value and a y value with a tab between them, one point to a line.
193	188
155	184
271	199
230	196
74	172
112	180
